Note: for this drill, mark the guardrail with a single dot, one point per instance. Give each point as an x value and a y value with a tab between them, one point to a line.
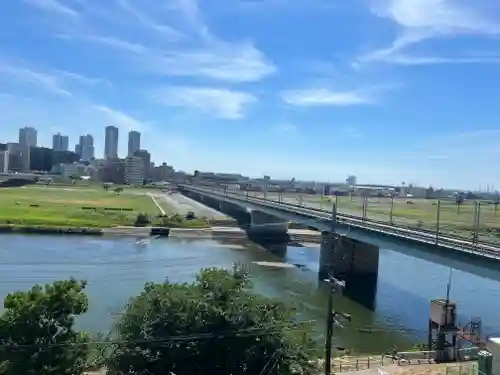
422	236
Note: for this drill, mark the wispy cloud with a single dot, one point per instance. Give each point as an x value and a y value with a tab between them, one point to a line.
221	103
45	81
121	119
232	63
178	42
321	97
422	20
53	6
52	81
166	31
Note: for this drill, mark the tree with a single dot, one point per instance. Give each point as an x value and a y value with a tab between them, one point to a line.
118	190
496	202
211	326
36	330
459	199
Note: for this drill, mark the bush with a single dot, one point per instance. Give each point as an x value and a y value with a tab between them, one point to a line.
37	333
211	326
142	220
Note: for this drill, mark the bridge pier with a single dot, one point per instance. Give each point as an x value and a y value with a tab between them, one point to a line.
268	226
353	261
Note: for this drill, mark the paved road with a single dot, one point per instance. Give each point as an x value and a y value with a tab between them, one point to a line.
182	205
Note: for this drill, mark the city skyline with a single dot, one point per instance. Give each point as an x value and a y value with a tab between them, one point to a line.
390	93
28	136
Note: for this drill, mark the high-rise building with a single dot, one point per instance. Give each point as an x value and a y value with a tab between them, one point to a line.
85	148
134	170
146	159
4	161
28	136
134	142
111	142
27	139
60	142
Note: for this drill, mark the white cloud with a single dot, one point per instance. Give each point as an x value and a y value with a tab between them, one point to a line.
45	81
178	40
421	20
53	6
122	120
232	63
317	97
221	103
56	82
166	31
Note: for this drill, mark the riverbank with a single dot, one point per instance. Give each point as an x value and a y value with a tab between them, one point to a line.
207	232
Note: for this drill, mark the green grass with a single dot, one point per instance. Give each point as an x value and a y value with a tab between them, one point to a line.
64	206
423	213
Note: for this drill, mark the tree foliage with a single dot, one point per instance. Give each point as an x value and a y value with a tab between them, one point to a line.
211	326
36	330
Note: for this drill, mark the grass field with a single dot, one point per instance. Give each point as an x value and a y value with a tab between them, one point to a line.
73	206
420	213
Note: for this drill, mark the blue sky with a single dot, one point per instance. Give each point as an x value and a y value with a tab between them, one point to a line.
388	90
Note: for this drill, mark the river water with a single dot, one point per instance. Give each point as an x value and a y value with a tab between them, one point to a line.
116	268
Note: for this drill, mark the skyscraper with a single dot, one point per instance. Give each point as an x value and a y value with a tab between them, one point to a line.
134	142
111	143
85	147
27	139
60	142
27	136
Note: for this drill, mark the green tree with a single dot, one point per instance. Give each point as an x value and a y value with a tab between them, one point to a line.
37	336
459	200
214	325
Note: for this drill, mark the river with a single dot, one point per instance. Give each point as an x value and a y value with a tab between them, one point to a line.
117	268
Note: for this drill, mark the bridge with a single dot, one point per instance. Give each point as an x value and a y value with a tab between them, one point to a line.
360	238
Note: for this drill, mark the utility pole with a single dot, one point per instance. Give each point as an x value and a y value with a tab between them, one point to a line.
331	320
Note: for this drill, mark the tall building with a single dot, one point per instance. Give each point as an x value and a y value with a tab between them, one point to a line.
15	159
4	161
87	147
134	142
60	142
27	139
146	159
111	142
28	136
134	170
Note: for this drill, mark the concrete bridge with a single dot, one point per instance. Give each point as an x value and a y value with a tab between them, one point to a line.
358	240
347	258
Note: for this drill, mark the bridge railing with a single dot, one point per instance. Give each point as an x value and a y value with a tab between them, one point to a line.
483	235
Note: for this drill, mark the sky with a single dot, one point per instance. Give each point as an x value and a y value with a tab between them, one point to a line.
388	90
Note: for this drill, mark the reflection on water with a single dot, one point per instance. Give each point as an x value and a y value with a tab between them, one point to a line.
117	269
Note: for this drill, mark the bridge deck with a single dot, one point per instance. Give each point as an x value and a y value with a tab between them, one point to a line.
321	220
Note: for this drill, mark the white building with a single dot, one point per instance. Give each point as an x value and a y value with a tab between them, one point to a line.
4	161
351	180
67	170
134	170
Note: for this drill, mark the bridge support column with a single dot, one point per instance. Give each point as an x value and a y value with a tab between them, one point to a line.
353	261
268	226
